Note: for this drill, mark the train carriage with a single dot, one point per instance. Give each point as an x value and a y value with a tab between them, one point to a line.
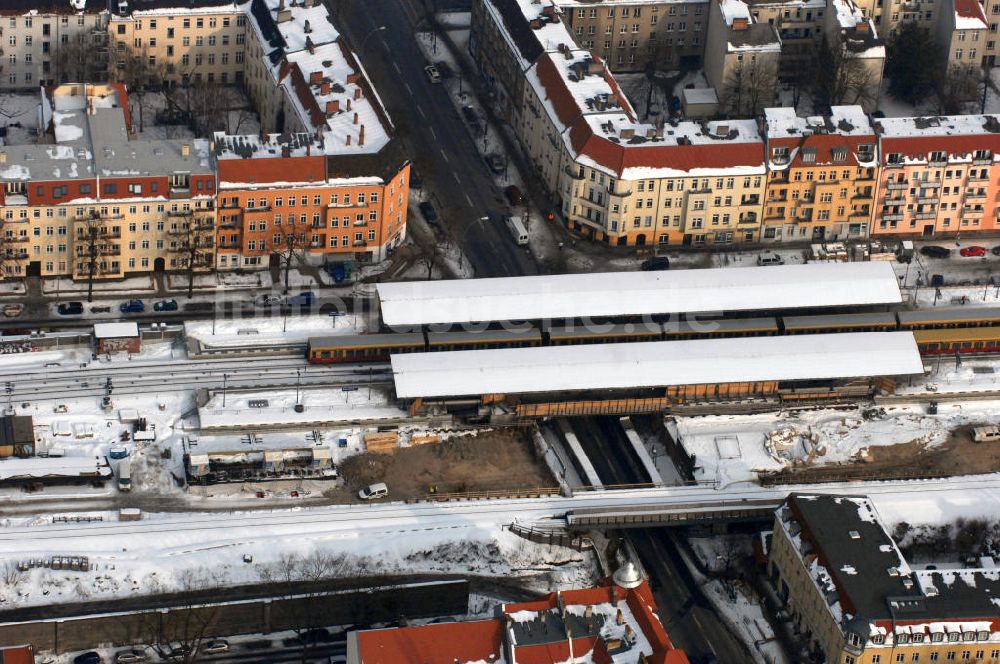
719	327
571	335
878	321
363	347
958	340
478	340
947	318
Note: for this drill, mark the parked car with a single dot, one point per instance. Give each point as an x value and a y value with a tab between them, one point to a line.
88	658
374	491
655	263
303	299
179	653
215	647
70	308
496	163
100	309
13	310
165	305
132	307
315	635
995	250
472	118
132	656
513	195
934	251
770	259
267	300
433	75
428	211
974	250
937	280
444	69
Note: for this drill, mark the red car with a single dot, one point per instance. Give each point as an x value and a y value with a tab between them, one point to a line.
974	250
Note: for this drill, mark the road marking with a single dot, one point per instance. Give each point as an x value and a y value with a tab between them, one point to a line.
469	200
455	175
395	65
421	112
434	133
708	642
408	88
444	156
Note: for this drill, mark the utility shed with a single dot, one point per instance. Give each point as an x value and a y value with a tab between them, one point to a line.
17	436
625	294
116	337
657	364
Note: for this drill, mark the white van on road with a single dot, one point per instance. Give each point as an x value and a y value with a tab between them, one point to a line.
517	229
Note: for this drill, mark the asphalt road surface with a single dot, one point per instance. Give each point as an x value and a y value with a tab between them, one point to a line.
443	149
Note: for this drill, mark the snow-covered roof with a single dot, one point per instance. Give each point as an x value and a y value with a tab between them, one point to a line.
655	364
612	294
783	122
115	330
940	125
52	467
700	96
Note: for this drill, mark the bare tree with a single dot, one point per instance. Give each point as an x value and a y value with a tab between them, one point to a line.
289	248
187	626
139	70
749	88
81	59
841	77
197	244
94	242
957	91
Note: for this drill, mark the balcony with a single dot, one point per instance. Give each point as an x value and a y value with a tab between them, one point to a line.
573	173
929	184
892	217
619	192
897	185
752	199
18	238
975	194
925	215
180	213
358	243
927	201
987	161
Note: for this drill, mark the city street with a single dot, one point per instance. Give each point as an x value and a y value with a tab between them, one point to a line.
445	156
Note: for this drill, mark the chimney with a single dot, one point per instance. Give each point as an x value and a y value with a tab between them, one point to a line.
315	78
348	139
3	157
284	15
589	611
357	93
309	149
186	150
310	45
740	24
353	78
324	88
355	118
333	106
281	5
348	104
306	27
361	136
286	151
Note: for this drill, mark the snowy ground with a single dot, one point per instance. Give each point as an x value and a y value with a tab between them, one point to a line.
319	405
270	330
730	449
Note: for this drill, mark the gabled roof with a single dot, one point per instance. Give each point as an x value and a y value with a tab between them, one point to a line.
969	15
444	643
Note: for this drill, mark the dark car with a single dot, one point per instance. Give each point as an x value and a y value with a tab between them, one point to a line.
472	118
513	195
430	214
303	299
995	250
132	307
88	658
316	635
934	251
444	69
165	305
496	163
937	280
655	263
70	308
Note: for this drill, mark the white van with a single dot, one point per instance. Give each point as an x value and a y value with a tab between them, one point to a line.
770	259
374	491
517	229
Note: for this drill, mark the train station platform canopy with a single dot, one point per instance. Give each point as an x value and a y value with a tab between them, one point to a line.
619	294
655	364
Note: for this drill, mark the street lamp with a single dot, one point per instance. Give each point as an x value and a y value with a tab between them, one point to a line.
298	379
461	252
361	49
225	379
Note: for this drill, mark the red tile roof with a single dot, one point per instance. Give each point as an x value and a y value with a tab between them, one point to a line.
823	144
444	643
970	9
918	147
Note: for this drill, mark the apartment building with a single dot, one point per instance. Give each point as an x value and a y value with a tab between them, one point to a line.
276	198
937	175
742	59
614	622
822	175
180	45
853	594
962	30
32	33
95	202
632	35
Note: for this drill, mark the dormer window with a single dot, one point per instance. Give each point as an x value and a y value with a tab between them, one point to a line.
917	638
902	638
839	155
982	154
878	639
937	637
779	155
809	156
938	155
853	639
894	158
983	635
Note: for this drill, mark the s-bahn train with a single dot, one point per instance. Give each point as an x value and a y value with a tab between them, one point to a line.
937	331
